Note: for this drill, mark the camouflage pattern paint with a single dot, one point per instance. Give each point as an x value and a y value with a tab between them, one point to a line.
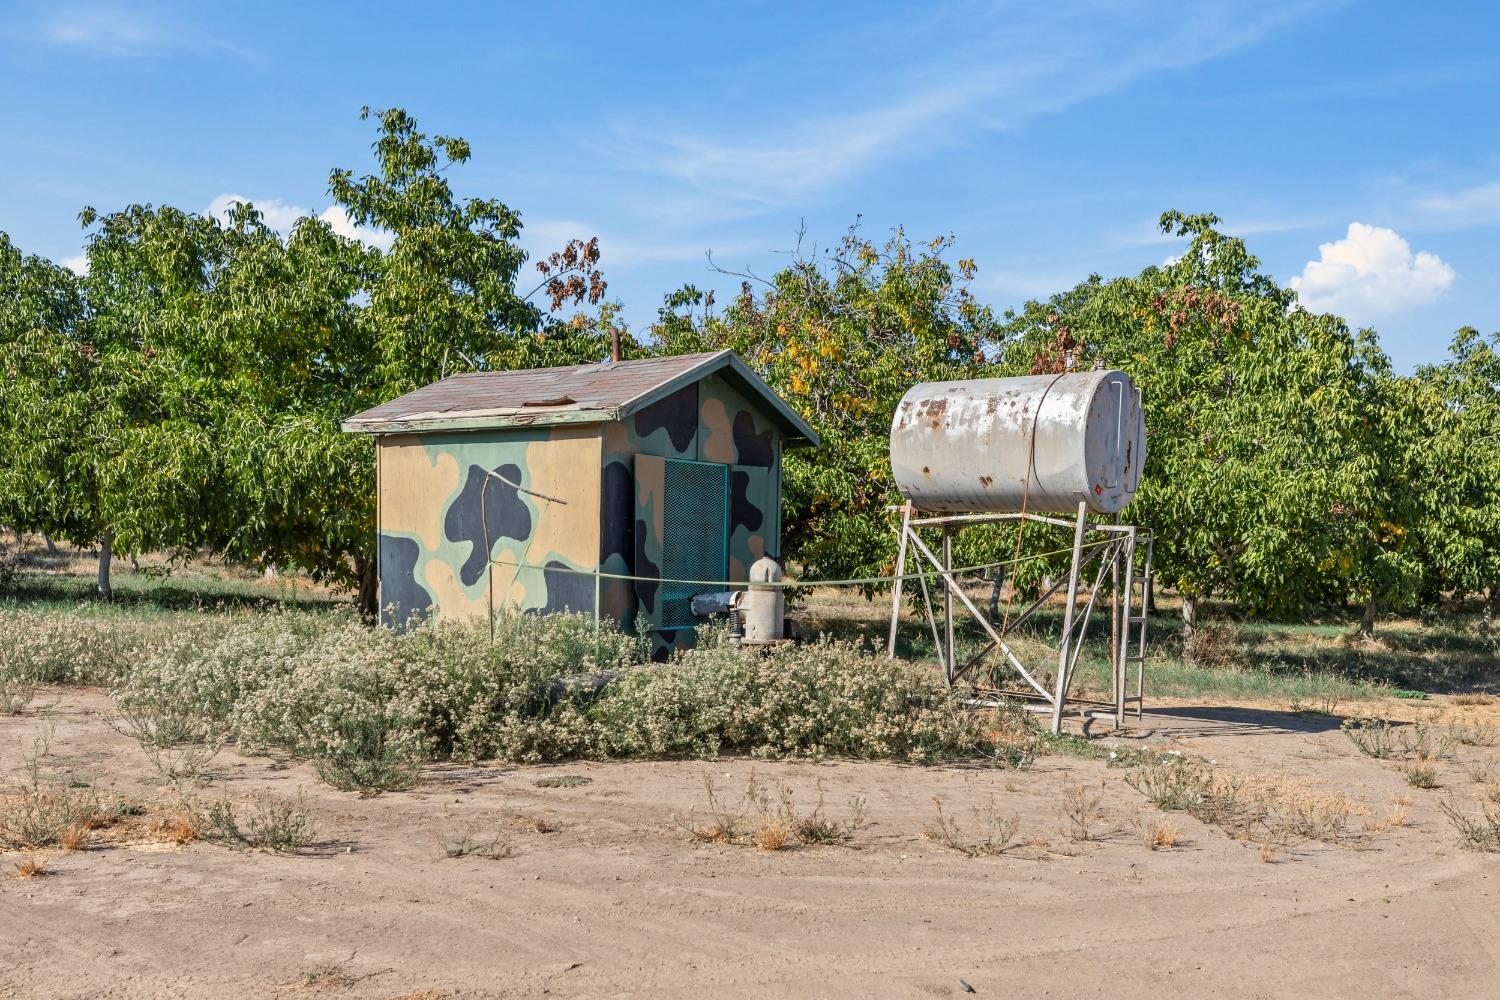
434	506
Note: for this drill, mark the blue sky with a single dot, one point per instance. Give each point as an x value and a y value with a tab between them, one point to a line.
1355	145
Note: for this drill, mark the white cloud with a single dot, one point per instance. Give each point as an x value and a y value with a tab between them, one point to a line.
78	265
279	215
1370	273
282	216
338	220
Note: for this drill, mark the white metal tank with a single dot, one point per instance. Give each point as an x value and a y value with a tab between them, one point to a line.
961	447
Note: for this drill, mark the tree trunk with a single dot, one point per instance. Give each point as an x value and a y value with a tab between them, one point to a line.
1367	621
1150	595
369	588
995	593
1189	614
106	553
51	545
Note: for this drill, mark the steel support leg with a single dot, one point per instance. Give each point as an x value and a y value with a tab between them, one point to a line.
1067	630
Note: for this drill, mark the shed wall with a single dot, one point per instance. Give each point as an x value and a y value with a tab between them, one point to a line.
709	421
432	525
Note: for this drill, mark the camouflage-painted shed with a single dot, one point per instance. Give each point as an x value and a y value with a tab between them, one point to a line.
665	468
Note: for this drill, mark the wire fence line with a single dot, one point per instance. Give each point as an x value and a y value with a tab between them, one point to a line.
864	581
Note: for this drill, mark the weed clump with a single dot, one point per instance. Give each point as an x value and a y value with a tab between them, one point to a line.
997	832
1476	832
42	812
271	823
1269	810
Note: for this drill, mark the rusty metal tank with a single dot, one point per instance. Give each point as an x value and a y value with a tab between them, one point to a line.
960	447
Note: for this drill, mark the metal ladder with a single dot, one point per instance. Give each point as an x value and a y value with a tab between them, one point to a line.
1135	632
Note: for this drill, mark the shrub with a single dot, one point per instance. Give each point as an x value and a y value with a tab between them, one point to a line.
997	832
367	706
1477	833
272	823
1214	645
829	699
42	812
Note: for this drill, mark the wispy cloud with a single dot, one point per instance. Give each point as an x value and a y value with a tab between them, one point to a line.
621	252
1148	233
1008	67
1472	206
123	31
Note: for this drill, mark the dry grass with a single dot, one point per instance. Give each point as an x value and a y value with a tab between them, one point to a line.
178	827
467	842
1273	810
541	824
772	834
1158	834
1473	699
74	838
724	825
29	868
778	823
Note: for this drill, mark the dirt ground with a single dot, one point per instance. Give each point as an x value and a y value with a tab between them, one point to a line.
618	900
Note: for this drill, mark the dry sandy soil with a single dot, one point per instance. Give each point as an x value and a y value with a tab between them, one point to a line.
619	901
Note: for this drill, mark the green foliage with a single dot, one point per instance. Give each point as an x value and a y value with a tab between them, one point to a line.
842	336
1263	481
186	393
1451	452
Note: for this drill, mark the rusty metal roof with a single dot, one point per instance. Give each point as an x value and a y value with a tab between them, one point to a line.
568	395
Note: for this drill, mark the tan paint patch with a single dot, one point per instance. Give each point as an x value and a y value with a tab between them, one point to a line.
414	488
716	434
450	599
566	466
617	446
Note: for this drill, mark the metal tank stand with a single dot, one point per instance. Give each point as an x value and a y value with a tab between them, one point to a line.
1123	555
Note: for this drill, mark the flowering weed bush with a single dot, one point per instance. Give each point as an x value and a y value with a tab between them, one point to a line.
367	706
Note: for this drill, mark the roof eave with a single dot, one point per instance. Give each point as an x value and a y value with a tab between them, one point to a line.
476	422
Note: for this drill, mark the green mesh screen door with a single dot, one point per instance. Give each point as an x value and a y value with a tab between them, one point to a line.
682	526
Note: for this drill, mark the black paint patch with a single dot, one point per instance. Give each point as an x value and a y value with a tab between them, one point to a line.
505	513
644	567
401	596
743	510
670	642
751	448
617	513
567	591
678	413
